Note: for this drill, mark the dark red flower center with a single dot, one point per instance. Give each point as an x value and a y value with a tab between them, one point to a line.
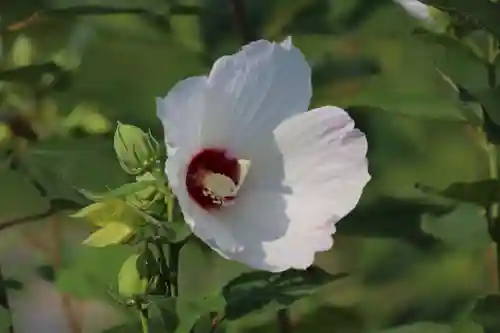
205	163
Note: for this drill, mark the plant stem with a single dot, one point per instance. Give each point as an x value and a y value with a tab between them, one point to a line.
493	209
4	301
143	314
165	270
173	263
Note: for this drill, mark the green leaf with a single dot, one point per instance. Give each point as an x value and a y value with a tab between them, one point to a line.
483	192
111	234
130	282
92	271
490	99
464	226
485	12
422	327
255	291
486	313
180	316
103	212
120	192
136	150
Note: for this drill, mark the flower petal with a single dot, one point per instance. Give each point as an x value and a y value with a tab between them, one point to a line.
324	156
180	109
252	91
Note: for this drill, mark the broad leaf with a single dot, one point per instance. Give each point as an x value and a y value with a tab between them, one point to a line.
254	291
120	192
93	271
465	226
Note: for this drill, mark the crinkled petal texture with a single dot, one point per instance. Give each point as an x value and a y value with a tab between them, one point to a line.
308	168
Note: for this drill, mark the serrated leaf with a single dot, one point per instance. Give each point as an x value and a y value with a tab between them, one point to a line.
486	313
464	226
111	234
92	271
254	291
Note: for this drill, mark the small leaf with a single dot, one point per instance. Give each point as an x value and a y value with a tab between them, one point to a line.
113	233
130	281
103	212
465	226
120	192
486	313
253	291
135	149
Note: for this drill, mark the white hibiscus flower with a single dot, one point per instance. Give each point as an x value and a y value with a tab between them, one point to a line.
258	178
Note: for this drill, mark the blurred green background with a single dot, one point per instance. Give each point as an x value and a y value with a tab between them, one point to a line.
364	58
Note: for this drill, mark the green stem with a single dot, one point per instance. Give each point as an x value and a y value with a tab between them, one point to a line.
493	209
173	263
165	270
143	314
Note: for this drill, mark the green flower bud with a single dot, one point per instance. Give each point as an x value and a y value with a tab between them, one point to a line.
130	281
136	150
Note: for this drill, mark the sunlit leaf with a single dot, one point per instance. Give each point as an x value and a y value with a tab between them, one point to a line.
103	212
111	234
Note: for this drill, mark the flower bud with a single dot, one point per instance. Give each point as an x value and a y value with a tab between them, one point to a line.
136	150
